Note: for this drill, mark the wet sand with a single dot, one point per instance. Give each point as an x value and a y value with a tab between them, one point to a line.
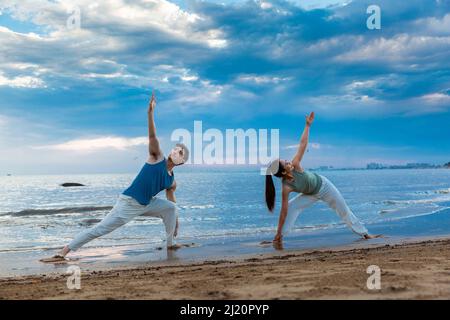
417	270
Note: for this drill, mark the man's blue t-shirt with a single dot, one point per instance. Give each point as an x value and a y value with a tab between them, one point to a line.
152	178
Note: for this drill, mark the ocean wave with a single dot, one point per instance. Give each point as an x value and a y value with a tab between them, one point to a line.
43	212
248	231
385	211
412	202
205	206
440	191
401	202
422	214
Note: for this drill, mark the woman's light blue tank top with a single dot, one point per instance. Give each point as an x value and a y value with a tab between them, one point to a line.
305	182
152	178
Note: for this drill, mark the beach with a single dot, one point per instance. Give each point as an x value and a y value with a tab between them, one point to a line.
224	150
409	270
322	258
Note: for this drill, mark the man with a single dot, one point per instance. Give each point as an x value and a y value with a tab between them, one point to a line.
139	198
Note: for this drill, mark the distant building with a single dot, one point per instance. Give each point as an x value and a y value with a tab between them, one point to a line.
419	166
374	166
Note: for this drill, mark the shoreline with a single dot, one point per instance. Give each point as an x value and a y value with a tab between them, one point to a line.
412	269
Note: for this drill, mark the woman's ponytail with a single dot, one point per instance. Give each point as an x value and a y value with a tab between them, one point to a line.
270	192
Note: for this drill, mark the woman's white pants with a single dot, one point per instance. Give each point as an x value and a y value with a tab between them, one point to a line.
329	194
126	209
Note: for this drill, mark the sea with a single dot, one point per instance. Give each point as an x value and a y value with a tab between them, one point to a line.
221	213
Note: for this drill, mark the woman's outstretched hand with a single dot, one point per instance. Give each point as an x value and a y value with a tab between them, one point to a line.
310	119
152	104
278	238
278	242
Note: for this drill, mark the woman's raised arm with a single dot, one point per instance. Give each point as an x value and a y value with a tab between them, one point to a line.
303	141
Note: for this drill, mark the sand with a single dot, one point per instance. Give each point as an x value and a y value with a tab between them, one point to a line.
418	270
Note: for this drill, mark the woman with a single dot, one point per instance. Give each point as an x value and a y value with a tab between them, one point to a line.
311	188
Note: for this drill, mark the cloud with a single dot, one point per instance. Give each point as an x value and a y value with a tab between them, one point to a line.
232	64
109	35
434	25
437	97
95	144
313	145
118	15
401	51
197	53
20	132
262	79
21	82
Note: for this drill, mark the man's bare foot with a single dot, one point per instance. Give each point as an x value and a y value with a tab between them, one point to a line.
59	257
64	251
55	259
372	236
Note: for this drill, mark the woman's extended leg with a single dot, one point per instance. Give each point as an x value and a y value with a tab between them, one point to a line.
297	205
331	196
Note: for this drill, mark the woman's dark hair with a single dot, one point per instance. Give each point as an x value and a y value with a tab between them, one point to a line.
270	187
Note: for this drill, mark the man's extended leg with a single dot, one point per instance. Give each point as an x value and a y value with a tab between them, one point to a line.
167	211
125	209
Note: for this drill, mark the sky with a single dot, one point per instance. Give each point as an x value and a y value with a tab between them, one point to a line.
74	100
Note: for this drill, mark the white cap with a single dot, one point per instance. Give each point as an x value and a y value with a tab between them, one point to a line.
273	167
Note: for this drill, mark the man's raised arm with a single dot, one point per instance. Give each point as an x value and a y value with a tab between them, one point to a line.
153	146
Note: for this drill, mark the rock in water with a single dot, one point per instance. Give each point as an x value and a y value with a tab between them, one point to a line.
72	184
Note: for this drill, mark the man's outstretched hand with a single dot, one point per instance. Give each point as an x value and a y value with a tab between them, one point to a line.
152	104
310	119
